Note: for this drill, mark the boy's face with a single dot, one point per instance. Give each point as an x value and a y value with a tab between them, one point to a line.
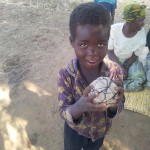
90	45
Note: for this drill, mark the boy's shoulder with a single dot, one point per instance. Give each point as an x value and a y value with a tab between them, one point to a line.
71	68
111	64
114	69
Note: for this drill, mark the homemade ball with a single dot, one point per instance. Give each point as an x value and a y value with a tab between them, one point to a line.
106	89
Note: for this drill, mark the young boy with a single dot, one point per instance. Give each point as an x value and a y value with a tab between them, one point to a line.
86	123
111	5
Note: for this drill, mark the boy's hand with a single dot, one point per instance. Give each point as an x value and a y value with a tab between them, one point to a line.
85	103
118	98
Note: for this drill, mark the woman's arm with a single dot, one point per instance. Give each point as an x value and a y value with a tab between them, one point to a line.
130	61
114	58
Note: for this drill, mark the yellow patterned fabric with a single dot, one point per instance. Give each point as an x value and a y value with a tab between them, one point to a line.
138	101
133	11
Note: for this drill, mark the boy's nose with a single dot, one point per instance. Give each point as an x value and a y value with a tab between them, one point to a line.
92	50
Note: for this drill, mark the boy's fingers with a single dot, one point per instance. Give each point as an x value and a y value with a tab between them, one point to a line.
113	105
120	89
101	106
87	90
118	82
92	96
115	102
117	98
96	107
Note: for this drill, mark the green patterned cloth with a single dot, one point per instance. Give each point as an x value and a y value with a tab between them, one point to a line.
136	77
148	70
133	11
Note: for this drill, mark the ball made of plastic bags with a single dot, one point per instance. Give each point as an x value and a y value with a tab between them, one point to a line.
105	89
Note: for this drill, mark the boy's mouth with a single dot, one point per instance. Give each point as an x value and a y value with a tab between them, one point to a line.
91	62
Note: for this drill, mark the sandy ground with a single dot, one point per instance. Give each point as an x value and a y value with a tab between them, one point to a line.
34	45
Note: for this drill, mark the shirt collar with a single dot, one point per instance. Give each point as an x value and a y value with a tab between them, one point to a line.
74	70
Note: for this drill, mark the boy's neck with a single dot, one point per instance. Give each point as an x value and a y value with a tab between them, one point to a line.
90	75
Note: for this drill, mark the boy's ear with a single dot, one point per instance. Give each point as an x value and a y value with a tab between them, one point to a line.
71	41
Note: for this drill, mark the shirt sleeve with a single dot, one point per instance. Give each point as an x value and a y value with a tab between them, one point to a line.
65	97
118	110
119	76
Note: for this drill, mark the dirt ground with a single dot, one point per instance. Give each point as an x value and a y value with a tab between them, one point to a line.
34	45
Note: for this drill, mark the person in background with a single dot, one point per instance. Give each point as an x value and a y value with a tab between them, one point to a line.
148	40
147	67
86	123
126	46
111	5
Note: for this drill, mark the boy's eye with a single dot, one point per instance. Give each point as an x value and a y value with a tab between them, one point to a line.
101	45
83	45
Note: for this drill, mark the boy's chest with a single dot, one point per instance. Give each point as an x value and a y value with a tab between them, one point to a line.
90	78
79	86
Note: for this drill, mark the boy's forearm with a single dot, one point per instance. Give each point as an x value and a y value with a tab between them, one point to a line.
76	110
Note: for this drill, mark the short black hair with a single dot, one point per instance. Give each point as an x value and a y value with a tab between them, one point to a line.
88	13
